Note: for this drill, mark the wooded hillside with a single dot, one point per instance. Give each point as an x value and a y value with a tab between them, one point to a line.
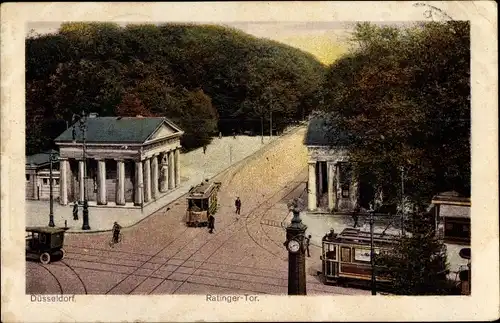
205	78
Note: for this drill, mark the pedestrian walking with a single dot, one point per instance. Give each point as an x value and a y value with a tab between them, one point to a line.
116	232
211	223
75	211
204	149
237	204
308	242
355	219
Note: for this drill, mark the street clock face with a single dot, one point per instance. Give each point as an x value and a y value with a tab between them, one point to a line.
293	246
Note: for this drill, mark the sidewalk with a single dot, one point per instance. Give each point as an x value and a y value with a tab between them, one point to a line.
195	167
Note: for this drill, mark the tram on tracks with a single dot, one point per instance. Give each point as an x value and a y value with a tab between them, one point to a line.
201	203
346	257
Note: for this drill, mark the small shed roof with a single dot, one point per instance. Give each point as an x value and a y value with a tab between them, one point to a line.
40	159
322	131
116	129
50	230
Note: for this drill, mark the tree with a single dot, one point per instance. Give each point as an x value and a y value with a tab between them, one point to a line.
417	265
195	74
402	96
131	106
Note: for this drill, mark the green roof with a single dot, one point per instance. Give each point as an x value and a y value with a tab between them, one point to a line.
114	129
323	132
40	158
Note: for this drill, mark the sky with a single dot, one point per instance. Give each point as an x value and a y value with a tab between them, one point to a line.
325	40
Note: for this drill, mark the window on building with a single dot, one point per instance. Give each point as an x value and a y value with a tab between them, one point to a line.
345	190
27	177
45	181
56	182
457	230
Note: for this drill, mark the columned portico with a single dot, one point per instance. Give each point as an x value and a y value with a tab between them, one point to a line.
120	182
171	170
101	182
311	186
63	180
154	175
133	161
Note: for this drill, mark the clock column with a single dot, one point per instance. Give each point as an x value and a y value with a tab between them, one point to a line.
295	234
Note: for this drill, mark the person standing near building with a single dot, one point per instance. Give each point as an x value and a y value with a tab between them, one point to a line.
116	232
308	242
75	211
237	204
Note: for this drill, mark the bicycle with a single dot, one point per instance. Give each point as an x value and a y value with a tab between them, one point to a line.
112	242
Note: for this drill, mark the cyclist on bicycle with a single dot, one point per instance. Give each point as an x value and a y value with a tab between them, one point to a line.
116	232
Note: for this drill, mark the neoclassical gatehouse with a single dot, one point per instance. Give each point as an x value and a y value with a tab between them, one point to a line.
127	160
332	186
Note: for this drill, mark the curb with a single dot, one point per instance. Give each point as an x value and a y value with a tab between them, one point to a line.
236	166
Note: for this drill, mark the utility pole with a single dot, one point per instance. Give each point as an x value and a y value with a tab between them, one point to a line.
262	129
83	128
402	202
372	255
270	124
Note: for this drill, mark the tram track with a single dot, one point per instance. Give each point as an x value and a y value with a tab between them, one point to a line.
52	274
249	215
77	275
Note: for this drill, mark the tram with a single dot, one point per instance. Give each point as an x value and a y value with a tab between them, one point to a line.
201	202
347	256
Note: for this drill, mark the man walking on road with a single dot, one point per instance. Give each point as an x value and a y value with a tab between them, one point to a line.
211	223
237	204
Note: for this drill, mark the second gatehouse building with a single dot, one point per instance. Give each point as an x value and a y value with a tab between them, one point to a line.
126	160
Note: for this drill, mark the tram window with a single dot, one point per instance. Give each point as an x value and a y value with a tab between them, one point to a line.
346	254
331	252
457	229
362	255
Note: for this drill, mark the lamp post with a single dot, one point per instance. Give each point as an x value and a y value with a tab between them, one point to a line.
52	158
83	129
295	234
402	201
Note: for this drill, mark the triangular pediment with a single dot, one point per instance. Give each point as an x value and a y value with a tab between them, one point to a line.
163	131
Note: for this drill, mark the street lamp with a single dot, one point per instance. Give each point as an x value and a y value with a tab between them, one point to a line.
402	201
52	158
83	129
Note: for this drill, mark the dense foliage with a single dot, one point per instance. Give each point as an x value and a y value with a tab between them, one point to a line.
404	96
205	78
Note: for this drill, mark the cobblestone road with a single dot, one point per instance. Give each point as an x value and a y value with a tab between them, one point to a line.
161	255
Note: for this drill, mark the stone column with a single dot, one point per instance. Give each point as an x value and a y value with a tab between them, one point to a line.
101	182
120	182
312	202
147	180
164	173
81	177
177	167
138	185
154	176
171	169
338	187
331	194
63	181
320	178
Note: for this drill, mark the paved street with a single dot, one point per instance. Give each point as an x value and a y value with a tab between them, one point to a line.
160	255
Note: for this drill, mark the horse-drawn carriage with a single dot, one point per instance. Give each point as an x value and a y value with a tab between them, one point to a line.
201	203
45	243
